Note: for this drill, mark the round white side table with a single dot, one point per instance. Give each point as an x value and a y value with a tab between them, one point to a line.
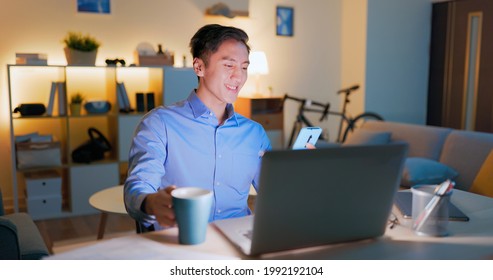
109	200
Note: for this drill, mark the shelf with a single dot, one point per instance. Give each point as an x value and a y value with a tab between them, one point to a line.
32	84
37	117
39	169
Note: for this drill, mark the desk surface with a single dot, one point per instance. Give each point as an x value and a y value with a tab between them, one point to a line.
109	200
467	240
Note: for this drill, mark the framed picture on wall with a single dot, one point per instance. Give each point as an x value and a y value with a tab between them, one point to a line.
284	21
94	6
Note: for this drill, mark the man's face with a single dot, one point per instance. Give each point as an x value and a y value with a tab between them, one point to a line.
226	72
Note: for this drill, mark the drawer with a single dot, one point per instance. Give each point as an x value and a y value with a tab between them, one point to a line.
269	121
43	206
43	183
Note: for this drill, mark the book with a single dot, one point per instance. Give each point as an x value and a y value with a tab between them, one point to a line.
119	98
25	137
122	96
51	101
139	99
40	56
30	61
31	58
33	137
62	99
42	138
150	104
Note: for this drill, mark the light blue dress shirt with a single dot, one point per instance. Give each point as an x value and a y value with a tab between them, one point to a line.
183	145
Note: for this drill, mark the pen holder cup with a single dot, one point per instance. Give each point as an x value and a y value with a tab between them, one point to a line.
437	222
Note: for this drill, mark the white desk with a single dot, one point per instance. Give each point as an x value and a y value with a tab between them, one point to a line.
468	240
109	200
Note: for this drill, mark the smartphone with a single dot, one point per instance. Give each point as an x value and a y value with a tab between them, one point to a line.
307	135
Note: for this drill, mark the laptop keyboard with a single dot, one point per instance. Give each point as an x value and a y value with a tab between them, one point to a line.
248	234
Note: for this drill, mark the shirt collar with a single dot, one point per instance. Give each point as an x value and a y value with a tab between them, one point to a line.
199	108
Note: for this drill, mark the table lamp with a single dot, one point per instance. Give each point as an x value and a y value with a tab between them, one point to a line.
258	66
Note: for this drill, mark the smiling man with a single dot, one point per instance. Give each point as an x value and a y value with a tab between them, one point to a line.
199	141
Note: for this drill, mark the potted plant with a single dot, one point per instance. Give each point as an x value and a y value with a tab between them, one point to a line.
80	49
76	103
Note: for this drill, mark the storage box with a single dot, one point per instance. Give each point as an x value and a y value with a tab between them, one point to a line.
43	183
38	154
154	60
44	206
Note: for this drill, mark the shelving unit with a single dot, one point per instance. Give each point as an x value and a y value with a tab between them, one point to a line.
32	84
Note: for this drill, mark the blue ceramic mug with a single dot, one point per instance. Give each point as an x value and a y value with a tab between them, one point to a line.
192	209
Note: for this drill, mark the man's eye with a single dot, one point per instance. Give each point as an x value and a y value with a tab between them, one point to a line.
229	65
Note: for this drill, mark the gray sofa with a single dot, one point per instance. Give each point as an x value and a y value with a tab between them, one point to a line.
20	237
463	151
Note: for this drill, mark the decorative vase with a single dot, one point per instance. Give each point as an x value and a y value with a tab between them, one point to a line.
80	58
75	109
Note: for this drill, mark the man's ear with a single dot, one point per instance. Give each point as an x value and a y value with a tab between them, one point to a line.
198	66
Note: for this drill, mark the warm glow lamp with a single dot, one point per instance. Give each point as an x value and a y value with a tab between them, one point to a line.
258	66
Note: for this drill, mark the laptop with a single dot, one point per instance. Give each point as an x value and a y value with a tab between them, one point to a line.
315	197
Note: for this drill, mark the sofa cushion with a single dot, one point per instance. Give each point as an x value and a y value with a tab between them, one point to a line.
368	137
424	141
425	171
9	244
483	183
325	144
31	243
465	151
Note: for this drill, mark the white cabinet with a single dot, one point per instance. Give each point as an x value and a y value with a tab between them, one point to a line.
32	84
86	180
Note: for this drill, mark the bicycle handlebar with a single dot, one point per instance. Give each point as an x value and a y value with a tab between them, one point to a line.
348	90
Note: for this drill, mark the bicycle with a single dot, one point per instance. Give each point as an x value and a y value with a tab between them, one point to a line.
348	123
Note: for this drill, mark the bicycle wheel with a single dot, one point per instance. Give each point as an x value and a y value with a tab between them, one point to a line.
357	122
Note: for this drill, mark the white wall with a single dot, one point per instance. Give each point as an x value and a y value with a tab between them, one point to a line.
397	59
307	64
353	42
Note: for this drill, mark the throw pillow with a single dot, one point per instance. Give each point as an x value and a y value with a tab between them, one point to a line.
367	137
483	183
425	171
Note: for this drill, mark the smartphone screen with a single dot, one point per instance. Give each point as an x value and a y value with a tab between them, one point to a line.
307	135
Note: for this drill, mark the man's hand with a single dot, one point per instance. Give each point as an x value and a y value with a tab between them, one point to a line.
160	205
310	146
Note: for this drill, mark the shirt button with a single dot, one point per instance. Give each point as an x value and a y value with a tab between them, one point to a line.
218	183
218	211
219	156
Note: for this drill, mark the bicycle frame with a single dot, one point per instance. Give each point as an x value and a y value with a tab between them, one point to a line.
344	118
300	120
300	117
324	110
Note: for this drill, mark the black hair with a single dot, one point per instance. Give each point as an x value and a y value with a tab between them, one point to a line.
207	40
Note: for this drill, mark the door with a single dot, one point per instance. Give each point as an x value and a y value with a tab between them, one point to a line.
461	80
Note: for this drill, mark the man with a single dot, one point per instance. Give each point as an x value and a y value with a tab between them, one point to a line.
199	141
